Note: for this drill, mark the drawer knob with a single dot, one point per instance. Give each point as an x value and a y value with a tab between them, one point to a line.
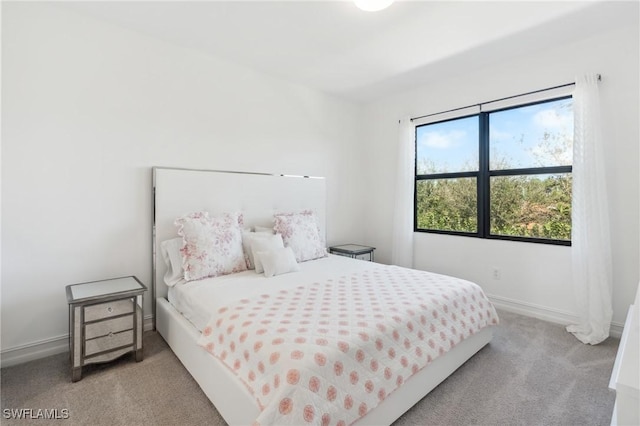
109	309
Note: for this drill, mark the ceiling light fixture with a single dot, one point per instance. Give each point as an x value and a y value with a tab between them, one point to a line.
373	5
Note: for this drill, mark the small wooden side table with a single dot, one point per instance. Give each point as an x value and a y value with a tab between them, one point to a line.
105	321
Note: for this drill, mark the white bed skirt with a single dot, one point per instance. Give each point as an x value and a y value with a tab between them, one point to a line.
238	407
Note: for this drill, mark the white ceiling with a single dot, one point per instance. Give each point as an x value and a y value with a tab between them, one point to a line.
334	47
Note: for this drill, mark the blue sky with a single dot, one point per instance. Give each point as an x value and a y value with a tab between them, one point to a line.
517	136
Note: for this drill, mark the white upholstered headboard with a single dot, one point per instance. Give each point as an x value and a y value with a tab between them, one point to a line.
258	195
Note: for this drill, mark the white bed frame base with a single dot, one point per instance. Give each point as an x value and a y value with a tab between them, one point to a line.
233	402
258	196
238	407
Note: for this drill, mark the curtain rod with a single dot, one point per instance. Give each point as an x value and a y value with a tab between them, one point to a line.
500	99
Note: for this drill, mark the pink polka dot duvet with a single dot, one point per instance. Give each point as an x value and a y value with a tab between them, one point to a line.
328	352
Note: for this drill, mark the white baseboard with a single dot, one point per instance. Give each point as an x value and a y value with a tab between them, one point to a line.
34	350
544	313
44	348
148	323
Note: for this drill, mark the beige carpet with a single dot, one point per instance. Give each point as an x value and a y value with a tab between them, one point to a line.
533	373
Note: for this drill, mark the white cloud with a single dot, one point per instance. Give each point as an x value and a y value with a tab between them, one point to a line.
552	119
498	135
443	140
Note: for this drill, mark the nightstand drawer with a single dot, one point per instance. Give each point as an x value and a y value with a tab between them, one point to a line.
107	356
108	342
109	309
103	328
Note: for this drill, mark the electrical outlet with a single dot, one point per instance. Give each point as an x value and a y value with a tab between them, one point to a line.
496	273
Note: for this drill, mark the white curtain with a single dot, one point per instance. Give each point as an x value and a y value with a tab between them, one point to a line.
402	243
590	240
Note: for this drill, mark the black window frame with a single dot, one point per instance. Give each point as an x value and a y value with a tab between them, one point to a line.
483	179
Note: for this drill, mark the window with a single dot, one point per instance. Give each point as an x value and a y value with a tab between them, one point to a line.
502	174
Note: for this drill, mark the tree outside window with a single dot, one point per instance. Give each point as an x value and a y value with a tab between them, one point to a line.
503	174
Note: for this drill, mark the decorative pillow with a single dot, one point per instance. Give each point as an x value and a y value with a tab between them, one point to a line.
211	246
278	261
300	232
271	242
170	250
247	240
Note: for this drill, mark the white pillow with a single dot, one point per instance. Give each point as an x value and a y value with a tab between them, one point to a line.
211	246
300	231
247	240
170	250
278	261
268	243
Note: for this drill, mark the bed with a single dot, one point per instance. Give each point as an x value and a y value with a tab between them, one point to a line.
338	341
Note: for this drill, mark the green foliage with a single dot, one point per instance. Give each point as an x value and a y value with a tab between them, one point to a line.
525	206
532	206
448	204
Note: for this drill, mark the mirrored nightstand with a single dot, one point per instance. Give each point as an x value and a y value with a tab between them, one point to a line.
105	321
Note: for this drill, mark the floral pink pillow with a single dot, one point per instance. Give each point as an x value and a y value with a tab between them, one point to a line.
211	246
300	232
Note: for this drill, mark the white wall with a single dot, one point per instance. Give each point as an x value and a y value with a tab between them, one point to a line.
535	278
88	109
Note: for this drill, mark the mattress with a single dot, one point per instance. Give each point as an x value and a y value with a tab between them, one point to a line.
331	342
196	299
